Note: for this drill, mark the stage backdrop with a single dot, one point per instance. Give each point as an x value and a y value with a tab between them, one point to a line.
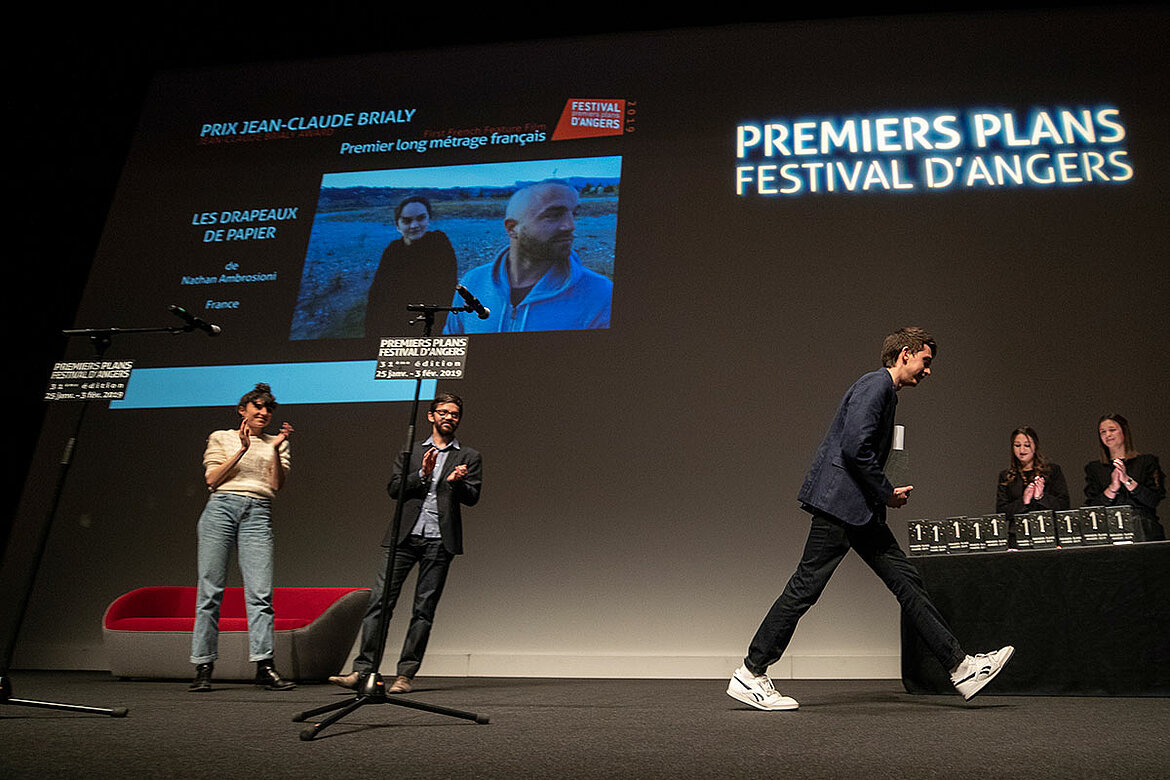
758	207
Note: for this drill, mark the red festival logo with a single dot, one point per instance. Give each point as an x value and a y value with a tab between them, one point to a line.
590	118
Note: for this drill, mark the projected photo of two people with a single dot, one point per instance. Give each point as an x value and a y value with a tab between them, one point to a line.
533	242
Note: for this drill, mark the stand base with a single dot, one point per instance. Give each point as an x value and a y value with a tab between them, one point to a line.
6	698
372	691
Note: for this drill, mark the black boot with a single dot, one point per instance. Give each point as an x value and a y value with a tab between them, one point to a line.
202	681
266	675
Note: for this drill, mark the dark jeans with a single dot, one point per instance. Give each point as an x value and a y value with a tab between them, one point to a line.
828	542
433	563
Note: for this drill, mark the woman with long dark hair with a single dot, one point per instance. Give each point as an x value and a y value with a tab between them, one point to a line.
1031	482
1124	476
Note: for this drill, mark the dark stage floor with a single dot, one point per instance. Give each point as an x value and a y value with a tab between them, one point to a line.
543	728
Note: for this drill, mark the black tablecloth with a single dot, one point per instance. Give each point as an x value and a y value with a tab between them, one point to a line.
1091	621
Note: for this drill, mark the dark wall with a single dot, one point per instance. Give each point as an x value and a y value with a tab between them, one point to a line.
641	480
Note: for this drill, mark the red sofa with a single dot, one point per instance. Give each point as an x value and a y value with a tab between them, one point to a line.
147	632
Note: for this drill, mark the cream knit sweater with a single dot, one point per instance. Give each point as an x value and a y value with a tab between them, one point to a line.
252	475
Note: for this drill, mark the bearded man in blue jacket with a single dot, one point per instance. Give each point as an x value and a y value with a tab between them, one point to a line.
847	493
537	282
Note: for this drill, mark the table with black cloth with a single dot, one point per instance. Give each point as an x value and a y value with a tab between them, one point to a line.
1089	621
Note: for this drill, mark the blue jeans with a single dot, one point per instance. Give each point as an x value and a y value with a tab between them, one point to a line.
433	564
234	520
828	542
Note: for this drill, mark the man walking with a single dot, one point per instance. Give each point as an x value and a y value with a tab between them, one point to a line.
847	493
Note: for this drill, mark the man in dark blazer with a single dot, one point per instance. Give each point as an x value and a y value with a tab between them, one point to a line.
847	493
442	477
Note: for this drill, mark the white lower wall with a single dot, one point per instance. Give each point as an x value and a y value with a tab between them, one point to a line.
654	667
696	667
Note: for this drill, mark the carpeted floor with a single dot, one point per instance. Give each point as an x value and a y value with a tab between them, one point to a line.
544	728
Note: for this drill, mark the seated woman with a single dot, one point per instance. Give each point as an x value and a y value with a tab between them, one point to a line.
1032	482
1123	476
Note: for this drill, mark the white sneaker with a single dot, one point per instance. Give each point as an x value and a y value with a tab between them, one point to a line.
758	691
977	671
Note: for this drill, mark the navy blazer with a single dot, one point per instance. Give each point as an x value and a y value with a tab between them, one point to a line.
847	479
450	495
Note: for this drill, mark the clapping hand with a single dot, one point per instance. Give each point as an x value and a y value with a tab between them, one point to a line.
245	435
1118	477
428	463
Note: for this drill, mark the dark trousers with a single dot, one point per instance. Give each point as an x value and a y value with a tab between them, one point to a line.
433	563
828	542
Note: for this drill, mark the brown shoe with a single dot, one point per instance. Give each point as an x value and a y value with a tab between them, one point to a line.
401	685
349	681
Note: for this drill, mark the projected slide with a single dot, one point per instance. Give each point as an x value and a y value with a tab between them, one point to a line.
303	230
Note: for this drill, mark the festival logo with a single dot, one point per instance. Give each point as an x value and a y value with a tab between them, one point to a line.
591	118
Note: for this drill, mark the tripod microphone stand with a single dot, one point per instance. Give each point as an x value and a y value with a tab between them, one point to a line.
372	688
101	338
101	342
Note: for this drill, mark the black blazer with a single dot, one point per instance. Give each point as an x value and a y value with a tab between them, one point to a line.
1146	494
847	479
451	496
1009	496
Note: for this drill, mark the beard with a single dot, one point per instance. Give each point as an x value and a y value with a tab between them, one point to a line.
538	251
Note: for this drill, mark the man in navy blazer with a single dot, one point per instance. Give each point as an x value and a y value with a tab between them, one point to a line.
442	477
847	493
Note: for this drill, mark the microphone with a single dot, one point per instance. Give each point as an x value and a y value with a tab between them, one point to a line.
193	321
473	302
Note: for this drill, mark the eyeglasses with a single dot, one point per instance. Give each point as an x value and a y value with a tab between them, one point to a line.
445	413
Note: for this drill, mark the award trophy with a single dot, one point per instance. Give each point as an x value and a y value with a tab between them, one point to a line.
1068	528
938	538
956	531
995	531
1020	531
977	541
1094	525
897	468
1119	522
919	532
1043	529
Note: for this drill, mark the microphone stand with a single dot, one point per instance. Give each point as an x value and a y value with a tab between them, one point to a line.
372	688
101	339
